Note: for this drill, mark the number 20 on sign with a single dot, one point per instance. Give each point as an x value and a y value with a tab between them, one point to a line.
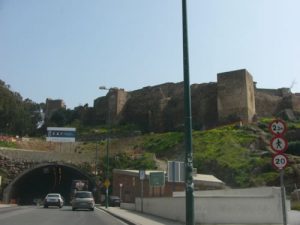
279	161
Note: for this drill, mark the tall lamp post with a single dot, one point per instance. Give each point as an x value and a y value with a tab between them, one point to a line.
106	182
189	195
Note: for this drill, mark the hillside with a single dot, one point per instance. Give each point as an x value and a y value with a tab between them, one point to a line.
238	155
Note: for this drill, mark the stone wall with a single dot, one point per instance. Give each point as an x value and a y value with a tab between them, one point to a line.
266	104
236	96
296	103
160	108
148	107
204	105
53	105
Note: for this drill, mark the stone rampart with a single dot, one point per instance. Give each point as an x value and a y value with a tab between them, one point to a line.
160	108
236	96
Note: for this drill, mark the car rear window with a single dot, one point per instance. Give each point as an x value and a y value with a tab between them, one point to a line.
53	196
83	195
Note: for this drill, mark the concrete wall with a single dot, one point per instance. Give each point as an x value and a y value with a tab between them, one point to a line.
241	206
46	156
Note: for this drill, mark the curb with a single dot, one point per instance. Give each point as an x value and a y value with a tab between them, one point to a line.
4	206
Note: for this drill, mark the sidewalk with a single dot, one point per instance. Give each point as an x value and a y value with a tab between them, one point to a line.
138	218
7	205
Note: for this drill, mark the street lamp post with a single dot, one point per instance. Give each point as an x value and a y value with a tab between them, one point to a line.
189	192
106	182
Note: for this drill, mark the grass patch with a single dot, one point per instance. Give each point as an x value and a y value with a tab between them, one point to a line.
7	144
225	153
295	205
162	143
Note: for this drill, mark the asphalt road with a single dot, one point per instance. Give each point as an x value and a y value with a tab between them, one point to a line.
32	215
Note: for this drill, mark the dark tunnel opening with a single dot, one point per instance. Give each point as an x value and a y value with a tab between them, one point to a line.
50	178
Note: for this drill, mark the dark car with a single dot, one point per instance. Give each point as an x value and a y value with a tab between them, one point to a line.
53	199
113	201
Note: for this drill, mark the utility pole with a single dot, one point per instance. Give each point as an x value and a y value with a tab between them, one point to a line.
189	191
107	182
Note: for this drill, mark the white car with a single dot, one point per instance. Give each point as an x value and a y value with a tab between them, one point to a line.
83	200
53	199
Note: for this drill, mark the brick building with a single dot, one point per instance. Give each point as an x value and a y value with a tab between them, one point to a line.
127	184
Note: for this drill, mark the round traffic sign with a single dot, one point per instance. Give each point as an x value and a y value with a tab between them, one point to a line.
279	144
277	127
279	161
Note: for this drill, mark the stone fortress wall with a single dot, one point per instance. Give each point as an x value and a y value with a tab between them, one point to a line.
233	98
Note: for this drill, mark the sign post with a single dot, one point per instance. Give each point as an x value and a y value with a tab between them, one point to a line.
106	185
121	185
142	178
279	160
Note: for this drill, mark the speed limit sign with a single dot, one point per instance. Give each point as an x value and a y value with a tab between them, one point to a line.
277	127
279	161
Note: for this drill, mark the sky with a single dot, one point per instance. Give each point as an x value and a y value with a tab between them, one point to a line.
66	49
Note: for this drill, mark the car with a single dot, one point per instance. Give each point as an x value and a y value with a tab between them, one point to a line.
83	200
112	201
53	199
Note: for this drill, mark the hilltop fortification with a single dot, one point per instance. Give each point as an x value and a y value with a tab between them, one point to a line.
233	98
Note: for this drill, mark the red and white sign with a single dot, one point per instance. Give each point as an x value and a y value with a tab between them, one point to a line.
279	161
279	144
277	127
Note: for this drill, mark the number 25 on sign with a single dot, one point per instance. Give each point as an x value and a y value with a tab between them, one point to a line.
277	127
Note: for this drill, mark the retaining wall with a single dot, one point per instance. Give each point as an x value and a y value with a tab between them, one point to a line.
241	206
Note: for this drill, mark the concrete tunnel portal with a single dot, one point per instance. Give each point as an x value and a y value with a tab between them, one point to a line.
37	182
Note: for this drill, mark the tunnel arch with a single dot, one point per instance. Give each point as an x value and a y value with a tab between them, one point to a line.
36	182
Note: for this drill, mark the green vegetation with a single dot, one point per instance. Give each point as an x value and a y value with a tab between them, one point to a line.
225	153
7	144
162	143
127	161
293	125
17	116
293	148
295	205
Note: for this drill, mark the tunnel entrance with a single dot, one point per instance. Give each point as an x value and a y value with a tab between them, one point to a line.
36	183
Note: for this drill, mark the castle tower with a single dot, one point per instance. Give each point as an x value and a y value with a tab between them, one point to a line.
116	100
236	101
53	105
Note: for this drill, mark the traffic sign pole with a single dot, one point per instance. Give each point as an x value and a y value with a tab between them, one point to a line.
142	196
283	197
279	144
142	174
